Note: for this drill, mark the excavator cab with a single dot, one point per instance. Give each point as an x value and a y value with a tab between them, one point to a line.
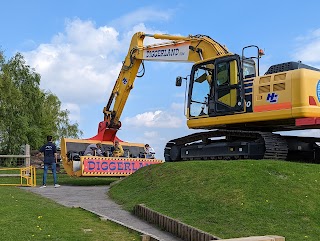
216	87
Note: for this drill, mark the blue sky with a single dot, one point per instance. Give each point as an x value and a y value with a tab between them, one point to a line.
78	48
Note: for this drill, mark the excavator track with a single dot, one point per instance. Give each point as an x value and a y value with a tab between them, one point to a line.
275	146
227	144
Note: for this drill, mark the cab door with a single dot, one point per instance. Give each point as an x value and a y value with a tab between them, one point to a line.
227	93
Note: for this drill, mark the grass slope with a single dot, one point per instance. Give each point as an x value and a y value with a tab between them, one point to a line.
231	198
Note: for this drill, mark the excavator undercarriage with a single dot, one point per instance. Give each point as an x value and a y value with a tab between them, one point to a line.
241	144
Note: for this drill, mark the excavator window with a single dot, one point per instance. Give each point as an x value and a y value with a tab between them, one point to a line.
202	79
222	74
249	69
226	77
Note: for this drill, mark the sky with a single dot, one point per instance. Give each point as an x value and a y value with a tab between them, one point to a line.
77	46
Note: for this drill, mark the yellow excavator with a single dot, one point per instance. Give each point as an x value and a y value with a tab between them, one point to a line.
240	109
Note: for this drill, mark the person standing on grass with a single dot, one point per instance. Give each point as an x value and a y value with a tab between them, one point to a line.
49	151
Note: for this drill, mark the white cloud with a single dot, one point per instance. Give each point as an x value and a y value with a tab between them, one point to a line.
135	22
159	119
308	47
142	15
29	44
74	110
151	134
179	107
78	65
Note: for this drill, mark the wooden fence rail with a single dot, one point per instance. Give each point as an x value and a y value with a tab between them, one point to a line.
179	229
187	232
26	156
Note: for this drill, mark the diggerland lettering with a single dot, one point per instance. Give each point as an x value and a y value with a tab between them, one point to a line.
113	166
162	52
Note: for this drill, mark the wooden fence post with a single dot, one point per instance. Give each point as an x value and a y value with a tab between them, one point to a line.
27	153
27	159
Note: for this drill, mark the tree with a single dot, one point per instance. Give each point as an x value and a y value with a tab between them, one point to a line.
12	122
27	113
57	120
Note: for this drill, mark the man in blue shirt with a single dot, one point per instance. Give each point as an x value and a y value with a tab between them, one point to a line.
49	151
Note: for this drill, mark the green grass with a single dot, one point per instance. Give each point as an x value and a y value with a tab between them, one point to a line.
63	179
231	198
26	216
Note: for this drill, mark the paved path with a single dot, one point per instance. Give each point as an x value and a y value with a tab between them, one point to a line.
95	200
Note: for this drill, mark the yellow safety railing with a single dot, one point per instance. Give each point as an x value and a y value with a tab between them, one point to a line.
28	176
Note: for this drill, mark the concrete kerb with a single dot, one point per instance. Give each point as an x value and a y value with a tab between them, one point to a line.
257	238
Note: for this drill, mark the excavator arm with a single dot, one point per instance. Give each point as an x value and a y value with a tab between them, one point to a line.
177	49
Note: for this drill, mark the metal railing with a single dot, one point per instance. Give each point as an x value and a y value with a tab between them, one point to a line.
12	168
28	176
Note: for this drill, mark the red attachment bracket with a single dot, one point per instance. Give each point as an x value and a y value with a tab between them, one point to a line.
105	134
